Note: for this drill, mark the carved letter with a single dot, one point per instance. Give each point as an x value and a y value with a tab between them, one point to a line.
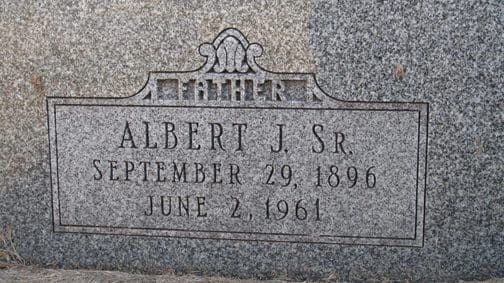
129	138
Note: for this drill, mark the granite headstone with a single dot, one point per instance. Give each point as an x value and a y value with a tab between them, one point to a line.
294	139
233	151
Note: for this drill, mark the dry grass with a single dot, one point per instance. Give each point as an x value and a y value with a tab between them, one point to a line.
43	275
8	254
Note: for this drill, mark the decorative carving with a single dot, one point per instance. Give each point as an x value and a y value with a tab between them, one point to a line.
231	52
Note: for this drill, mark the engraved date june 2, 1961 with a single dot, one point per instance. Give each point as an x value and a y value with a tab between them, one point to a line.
271	208
196	207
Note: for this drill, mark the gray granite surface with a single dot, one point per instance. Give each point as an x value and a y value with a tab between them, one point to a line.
448	54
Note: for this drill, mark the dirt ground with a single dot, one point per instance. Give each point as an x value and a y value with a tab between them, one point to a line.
20	273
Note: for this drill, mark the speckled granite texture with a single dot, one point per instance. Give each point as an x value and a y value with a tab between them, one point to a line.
449	54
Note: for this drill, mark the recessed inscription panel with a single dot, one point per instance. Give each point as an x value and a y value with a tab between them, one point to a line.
239	153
